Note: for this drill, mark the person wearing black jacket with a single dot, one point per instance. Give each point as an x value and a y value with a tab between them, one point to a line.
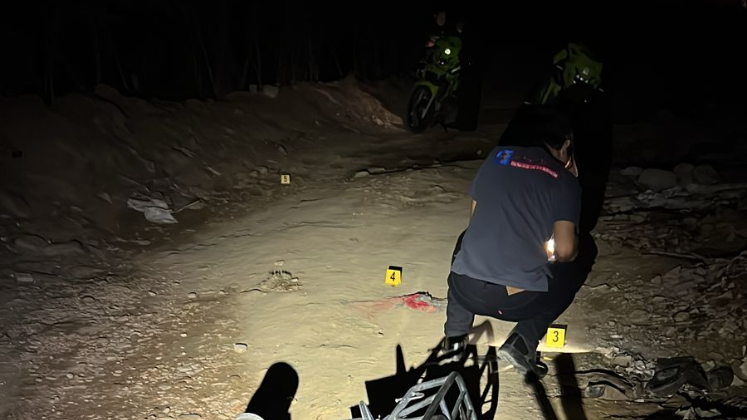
469	94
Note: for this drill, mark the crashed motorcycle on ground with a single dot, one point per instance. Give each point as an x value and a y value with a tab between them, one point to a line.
437	80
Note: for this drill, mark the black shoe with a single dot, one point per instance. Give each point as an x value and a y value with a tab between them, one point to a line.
453	348
522	356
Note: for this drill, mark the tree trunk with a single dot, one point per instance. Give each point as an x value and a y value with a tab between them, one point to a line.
257	57
257	53
206	58
244	73
355	49
198	74
119	67
49	59
115	55
96	45
281	70
313	72
336	60
222	69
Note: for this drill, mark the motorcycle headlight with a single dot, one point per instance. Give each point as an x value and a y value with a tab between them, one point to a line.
447	51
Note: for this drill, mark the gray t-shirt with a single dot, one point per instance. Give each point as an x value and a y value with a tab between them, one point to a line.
520	194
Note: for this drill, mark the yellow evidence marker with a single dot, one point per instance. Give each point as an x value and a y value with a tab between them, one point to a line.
285	179
394	276
556	336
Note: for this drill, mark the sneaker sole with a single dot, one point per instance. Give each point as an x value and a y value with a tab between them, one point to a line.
510	358
520	367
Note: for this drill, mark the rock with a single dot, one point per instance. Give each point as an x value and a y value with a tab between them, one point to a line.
190	416
637	218
706	175
684	173
192	295
656	280
682	316
741	371
724	298
605	392
30	243
24	278
657	180
83	272
632	171
685	288
639	317
14	205
151	293
623	361
361	174
240	347
706	414
673	276
37	245
263	170
271	91
105	196
68	249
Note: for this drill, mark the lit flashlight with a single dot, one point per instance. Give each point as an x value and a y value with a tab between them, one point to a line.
550	249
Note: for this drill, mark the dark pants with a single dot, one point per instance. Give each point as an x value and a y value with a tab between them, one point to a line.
534	311
469	96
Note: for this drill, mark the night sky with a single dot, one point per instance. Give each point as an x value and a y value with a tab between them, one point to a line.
678	55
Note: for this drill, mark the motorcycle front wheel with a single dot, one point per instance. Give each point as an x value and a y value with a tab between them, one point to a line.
419	114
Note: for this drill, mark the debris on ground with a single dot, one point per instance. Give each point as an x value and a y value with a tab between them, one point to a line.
280	281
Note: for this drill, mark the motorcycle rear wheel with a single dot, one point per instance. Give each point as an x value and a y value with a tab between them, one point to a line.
418	117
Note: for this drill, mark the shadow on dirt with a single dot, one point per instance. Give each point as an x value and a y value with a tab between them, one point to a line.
480	374
276	393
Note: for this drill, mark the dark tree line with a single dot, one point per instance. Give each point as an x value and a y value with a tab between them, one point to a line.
178	49
175	49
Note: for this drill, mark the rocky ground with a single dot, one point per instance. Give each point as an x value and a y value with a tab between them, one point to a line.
154	266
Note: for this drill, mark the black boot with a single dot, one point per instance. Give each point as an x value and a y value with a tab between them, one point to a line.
522	355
